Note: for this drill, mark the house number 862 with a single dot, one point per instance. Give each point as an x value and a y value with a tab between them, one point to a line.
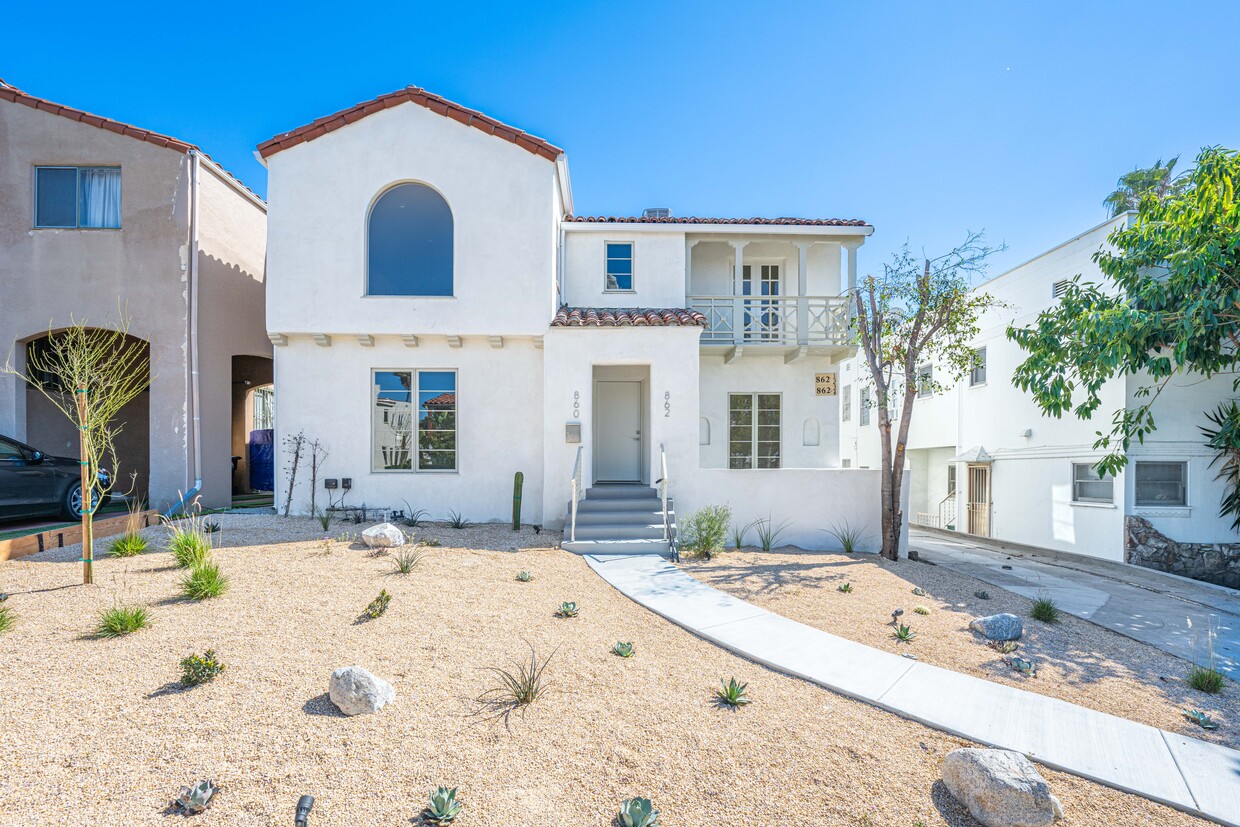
667	404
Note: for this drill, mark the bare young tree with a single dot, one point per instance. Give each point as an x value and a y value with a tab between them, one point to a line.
295	444
916	313
318	455
89	374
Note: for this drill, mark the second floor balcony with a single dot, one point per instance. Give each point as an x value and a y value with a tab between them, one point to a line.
805	321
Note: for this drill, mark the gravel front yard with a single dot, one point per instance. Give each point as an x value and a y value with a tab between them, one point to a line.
1076	660
98	732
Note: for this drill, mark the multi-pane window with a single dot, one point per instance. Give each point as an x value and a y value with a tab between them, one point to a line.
753	430
72	197
951	478
925	380
1088	487
1161	483
977	376
863	415
846	404
619	265
414	420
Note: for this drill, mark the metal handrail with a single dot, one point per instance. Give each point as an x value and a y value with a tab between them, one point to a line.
577	482
668	536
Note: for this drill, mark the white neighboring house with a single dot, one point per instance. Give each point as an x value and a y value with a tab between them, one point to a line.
984	460
425	268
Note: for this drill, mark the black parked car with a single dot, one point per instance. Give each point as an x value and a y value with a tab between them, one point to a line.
33	484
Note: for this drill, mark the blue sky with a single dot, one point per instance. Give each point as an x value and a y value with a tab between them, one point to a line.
925	119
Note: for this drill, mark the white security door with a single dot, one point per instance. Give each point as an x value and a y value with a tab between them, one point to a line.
618	431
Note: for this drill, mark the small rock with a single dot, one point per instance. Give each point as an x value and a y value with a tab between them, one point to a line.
982	595
909	655
1000	788
384	535
357	692
998	627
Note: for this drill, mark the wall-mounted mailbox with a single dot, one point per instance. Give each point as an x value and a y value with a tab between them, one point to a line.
572	433
330	483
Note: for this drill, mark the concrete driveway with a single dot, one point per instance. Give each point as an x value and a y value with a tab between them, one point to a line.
1163	610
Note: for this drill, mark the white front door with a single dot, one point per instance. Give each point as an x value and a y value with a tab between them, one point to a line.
618	431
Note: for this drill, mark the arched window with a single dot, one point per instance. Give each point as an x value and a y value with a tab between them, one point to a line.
409	243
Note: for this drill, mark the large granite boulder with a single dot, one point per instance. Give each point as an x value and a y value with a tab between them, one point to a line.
357	692
1001	788
383	535
998	627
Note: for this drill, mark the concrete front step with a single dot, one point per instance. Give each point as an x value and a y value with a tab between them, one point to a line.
632	504
608	547
630	517
619	532
621	492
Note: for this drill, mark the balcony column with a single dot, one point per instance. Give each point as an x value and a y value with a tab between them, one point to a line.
738	290
851	247
802	290
689	245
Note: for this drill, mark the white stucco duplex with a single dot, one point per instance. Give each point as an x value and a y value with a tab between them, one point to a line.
442	320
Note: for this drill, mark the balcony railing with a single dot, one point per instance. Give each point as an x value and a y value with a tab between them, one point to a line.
779	320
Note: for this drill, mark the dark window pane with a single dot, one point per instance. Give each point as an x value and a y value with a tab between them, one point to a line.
410	243
55	197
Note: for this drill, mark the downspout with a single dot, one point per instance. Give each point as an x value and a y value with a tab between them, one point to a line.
192	290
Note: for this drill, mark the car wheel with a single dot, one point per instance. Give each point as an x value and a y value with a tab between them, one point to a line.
72	505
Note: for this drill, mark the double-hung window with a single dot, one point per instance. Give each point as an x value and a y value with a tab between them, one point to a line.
977	376
863	416
619	266
925	381
1088	487
1161	484
846	404
753	430
77	197
413	421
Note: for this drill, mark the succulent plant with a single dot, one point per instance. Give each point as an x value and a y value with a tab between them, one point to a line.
638	812
921	610
1201	719
197	669
524	576
567	609
379	605
1003	647
733	693
1022	665
846	588
919	591
904	633
624	650
444	808
197	798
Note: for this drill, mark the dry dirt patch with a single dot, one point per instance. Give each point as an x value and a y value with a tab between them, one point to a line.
1077	661
96	732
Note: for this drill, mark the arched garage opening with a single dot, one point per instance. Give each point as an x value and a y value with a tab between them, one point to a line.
50	431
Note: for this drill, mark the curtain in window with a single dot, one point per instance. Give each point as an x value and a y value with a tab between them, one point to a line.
101	197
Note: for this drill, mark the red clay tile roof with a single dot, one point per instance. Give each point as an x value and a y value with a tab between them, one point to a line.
796	222
627	317
444	400
8	92
410	94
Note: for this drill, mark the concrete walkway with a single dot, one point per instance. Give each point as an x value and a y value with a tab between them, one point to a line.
1185	773
1146	605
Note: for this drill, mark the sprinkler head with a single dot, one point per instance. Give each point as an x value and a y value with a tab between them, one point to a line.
304	805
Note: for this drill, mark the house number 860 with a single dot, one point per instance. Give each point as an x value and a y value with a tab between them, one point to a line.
667	404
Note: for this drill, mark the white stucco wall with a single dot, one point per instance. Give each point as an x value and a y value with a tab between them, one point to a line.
658	269
503	207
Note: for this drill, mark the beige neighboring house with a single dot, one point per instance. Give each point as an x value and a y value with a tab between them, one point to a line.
97	217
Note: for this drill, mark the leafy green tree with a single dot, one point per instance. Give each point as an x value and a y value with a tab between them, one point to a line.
1158	181
1172	307
917	312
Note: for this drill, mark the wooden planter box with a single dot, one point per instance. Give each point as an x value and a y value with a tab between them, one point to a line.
69	535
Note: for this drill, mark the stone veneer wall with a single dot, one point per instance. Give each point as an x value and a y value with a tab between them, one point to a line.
1146	546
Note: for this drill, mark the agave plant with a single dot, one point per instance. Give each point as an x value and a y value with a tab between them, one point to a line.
444	808
1201	719
567	609
733	693
197	798
919	591
524	576
904	633
846	588
624	650
638	812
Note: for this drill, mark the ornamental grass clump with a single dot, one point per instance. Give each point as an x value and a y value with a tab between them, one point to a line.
704	532
405	560
1202	675
849	538
188	541
119	621
768	532
1045	609
204	581
516	688
7	619
127	545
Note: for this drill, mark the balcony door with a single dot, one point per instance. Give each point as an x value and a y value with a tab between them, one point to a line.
762	318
